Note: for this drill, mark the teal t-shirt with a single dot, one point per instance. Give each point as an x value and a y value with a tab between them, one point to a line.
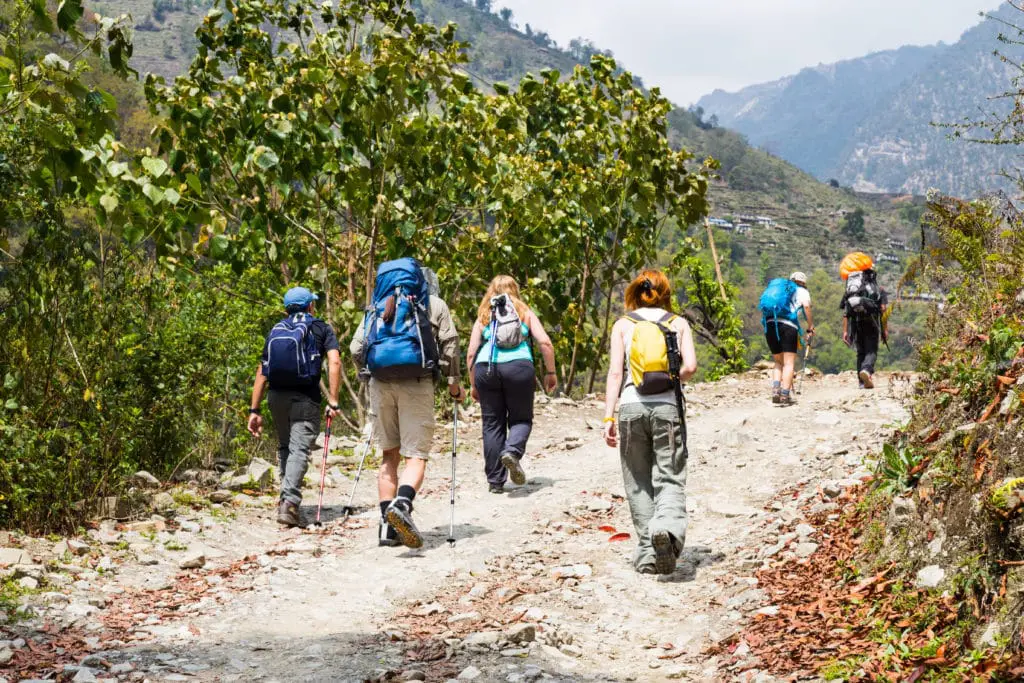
521	352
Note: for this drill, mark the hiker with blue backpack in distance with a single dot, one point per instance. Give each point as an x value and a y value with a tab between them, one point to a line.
652	348
290	366
503	377
405	342
781	303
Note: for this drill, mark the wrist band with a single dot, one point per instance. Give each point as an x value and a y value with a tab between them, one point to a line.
551	374
254	411
609	419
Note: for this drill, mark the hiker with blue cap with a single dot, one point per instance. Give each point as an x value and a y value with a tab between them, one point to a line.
290	366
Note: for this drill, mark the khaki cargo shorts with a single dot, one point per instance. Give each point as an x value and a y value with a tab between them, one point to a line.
404	415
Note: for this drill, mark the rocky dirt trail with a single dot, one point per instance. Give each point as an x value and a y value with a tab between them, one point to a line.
534	588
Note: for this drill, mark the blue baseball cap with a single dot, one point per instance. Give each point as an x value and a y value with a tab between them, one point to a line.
299	297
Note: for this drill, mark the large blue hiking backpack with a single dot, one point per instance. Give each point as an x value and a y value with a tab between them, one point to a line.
400	342
777	302
293	359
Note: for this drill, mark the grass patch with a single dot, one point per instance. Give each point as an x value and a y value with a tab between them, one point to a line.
11	594
186	498
843	669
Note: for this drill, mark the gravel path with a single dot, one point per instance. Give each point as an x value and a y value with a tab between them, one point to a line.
532	590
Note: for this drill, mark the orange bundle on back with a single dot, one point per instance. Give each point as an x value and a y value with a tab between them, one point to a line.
855	262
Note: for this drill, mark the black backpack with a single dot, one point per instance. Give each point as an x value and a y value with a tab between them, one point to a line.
863	295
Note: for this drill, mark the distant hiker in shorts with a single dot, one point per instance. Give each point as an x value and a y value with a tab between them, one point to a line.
405	343
780	305
653	349
290	365
864	321
503	377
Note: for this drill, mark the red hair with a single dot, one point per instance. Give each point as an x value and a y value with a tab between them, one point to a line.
650	289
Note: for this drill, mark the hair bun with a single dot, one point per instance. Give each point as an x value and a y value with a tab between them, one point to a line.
647	286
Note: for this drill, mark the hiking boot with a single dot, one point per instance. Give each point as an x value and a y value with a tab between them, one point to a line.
386	536
866	379
786	400
515	469
399	517
496	488
664	552
777	397
647	569
288	514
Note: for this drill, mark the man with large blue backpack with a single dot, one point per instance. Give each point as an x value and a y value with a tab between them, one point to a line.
290	366
780	305
405	343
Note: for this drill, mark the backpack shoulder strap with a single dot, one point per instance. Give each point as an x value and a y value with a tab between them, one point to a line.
635	317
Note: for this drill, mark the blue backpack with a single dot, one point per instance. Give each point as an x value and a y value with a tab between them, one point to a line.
293	358
400	343
777	302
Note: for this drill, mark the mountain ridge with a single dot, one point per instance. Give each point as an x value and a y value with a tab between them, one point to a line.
869	122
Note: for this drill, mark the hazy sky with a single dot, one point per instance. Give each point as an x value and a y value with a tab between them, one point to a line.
691	47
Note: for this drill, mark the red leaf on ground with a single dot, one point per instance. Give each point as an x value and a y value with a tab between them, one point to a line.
607	527
618	537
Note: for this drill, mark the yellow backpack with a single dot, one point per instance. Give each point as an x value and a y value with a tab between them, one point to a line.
653	343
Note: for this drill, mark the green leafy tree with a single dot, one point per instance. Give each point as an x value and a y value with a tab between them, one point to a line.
853	224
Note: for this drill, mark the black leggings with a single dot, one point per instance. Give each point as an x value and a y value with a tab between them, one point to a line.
506	409
865	339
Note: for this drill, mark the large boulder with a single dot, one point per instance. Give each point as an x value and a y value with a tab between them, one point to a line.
258	475
12	556
144	480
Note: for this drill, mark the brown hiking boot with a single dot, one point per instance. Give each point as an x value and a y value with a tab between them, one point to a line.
288	514
664	552
866	379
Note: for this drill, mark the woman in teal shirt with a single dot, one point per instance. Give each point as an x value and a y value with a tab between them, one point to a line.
503	381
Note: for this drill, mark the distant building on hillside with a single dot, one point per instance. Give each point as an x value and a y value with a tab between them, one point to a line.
896	244
756	220
888	258
721	223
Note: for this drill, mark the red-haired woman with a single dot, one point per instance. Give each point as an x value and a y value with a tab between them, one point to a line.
651	432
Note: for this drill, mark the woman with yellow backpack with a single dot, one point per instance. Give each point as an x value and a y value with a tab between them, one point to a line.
652	350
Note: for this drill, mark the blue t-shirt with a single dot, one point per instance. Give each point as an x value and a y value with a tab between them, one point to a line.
521	352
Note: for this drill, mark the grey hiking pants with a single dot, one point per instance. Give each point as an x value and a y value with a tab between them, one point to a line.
506	411
653	452
297	421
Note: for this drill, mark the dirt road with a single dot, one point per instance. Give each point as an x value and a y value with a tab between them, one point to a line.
533	589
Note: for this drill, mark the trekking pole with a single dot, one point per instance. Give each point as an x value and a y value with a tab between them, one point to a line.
365	445
323	473
803	369
455	448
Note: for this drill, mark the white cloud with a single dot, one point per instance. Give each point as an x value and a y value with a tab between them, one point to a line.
689	48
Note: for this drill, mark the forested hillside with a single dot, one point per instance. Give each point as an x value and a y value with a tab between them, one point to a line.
868	122
810	230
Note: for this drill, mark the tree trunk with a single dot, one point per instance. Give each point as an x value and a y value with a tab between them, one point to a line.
714	257
568	381
605	331
611	288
